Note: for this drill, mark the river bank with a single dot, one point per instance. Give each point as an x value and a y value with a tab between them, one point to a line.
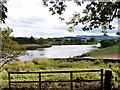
36	46
109	53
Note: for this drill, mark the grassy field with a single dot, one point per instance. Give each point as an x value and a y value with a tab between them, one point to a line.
45	64
113	49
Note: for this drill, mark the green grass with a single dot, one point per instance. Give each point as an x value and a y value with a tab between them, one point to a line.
44	64
109	50
38	64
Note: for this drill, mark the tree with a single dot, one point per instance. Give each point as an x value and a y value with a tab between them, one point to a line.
32	40
93	39
118	33
107	43
96	14
10	49
3	11
41	41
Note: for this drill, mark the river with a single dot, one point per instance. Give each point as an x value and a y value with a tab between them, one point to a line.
59	51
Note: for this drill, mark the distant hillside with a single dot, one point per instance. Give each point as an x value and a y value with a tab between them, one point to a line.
98	37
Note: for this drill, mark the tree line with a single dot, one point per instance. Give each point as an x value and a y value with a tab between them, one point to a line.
55	41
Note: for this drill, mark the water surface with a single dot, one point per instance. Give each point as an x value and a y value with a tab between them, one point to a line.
59	51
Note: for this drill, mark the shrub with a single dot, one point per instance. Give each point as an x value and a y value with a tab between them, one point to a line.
42	63
39	61
107	43
64	65
97	62
85	55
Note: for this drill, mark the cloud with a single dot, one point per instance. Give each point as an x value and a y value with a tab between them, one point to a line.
28	22
30	18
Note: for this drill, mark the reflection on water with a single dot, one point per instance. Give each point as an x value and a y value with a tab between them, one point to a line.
41	51
59	51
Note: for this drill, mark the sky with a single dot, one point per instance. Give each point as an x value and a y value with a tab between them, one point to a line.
30	18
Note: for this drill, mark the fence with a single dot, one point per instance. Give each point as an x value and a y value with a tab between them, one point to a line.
48	72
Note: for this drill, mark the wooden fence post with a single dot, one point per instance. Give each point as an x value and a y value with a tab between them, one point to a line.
39	81
71	81
108	79
9	80
101	79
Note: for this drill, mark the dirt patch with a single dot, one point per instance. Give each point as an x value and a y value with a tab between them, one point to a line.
106	56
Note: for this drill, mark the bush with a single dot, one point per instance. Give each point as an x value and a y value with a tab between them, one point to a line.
85	55
39	61
107	43
97	62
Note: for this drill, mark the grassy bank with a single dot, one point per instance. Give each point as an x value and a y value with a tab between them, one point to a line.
35	46
44	64
109	52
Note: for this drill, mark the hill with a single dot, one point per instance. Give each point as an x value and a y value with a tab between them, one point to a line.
98	37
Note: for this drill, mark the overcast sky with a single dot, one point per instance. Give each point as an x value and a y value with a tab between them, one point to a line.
31	18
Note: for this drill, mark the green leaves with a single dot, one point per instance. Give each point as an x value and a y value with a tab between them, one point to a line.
10	49
56	7
3	11
95	14
71	29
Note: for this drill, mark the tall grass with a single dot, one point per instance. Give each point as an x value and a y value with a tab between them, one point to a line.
35	46
44	64
39	64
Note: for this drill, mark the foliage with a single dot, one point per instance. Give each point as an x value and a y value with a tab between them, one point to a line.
97	62
118	33
107	43
42	64
3	10
25	40
85	55
96	14
32	41
93	39
10	49
41	41
53	41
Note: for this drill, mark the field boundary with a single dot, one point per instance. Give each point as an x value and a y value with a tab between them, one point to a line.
70	73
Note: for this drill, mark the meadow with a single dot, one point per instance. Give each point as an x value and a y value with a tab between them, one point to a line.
44	64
